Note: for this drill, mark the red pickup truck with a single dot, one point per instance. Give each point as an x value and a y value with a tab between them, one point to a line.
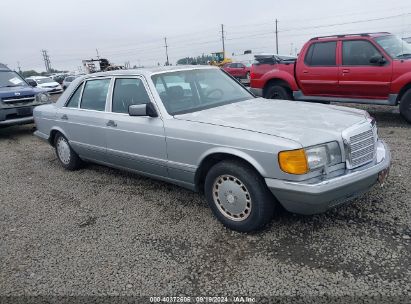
371	68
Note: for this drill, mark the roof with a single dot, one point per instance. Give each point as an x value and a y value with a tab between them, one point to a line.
151	71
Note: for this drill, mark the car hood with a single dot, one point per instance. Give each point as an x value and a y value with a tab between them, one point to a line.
48	84
19	91
307	123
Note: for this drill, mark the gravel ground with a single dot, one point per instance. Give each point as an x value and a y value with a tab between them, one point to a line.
99	231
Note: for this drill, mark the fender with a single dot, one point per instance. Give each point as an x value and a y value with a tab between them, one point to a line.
282	76
400	82
58	129
231	151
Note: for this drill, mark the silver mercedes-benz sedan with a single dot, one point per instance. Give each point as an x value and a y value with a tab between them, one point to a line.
199	128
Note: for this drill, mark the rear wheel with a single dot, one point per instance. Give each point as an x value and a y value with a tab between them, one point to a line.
405	106
238	196
66	155
278	92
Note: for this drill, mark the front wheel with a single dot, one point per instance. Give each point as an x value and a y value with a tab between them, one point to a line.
405	106
238	196
66	155
278	92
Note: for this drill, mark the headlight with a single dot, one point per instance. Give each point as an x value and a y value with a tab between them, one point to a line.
43	97
305	160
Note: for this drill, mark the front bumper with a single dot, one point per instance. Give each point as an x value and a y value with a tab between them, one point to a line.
20	115
316	196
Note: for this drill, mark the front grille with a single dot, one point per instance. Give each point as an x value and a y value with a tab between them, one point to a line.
18	99
361	148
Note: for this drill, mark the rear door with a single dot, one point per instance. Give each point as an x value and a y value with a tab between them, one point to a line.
358	77
317	72
83	119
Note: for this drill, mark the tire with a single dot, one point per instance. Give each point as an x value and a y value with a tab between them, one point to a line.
238	196
278	92
65	154
405	106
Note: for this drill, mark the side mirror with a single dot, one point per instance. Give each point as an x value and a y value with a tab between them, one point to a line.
32	83
146	109
378	60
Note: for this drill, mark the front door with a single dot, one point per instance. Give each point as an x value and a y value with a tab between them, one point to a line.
359	77
317	73
134	142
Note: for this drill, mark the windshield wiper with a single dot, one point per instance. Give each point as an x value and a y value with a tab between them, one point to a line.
11	86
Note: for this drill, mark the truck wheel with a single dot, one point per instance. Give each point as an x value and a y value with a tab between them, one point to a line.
278	92
238	196
66	155
405	106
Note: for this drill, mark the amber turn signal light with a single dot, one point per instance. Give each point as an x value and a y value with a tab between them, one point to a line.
293	162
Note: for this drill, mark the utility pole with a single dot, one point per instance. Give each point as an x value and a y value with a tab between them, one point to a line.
223	38
18	67
276	36
98	56
46	59
166	46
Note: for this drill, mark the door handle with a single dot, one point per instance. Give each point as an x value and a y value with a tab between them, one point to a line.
305	72
64	117
345	71
111	123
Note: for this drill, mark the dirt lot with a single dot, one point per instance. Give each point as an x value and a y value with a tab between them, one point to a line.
100	231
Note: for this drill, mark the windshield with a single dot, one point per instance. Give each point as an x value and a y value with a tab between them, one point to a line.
394	46
11	79
44	80
196	90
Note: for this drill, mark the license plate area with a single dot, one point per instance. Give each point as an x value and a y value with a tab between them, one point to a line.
24	111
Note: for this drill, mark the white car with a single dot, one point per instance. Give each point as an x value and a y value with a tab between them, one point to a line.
46	83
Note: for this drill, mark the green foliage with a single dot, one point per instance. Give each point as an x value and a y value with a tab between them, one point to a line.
201	60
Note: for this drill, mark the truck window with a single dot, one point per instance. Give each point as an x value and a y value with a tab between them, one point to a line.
358	52
321	54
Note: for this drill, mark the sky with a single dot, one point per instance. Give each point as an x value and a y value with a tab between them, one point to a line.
134	31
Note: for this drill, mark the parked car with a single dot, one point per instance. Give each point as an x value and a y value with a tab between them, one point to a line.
17	98
198	128
68	80
46	83
239	70
362	68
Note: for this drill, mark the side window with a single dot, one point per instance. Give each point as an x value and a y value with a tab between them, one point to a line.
95	94
75	98
321	54
127	92
358	52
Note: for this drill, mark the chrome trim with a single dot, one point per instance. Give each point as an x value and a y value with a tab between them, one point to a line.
18	99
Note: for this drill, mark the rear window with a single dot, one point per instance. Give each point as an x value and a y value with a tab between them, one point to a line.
95	94
321	54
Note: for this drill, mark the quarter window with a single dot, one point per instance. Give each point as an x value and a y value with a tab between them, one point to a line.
358	52
75	98
127	92
321	54
95	94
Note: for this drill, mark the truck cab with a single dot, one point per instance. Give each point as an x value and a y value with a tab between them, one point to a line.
370	68
17	98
